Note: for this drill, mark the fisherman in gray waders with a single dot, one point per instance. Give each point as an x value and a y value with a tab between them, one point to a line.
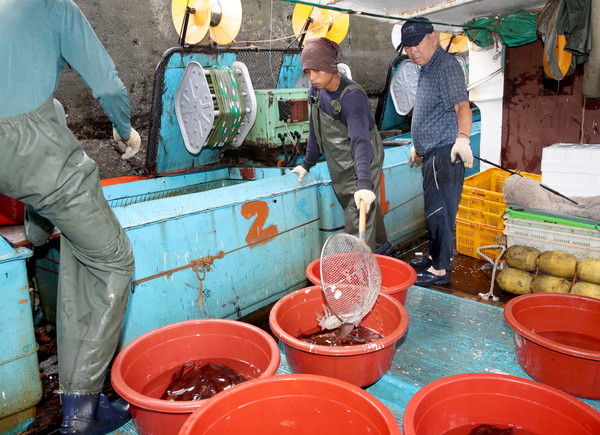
44	166
343	128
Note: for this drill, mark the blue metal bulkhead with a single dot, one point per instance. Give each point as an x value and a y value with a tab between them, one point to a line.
267	225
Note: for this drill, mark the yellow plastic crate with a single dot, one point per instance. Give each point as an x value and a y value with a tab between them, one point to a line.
489	184
480	217
494	207
472	235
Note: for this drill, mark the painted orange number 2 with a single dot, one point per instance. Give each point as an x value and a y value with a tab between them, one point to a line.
257	233
383	202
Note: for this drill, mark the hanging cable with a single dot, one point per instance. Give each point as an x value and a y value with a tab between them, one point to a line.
284	37
582	120
389	17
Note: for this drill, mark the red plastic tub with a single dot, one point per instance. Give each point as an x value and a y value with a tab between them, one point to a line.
396	276
138	372
12	212
296	314
292	404
457	404
557	340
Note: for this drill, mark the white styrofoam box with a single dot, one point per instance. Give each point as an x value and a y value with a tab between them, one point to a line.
571	184
545	236
572	169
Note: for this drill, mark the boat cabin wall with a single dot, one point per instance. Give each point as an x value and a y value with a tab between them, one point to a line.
539	112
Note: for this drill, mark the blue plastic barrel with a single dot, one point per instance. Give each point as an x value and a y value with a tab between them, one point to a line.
20	384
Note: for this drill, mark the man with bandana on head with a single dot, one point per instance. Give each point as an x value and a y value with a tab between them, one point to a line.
441	128
343	128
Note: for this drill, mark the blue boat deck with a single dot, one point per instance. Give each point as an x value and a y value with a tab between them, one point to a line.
447	335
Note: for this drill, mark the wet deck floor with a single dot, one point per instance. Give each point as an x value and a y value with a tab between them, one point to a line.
468	278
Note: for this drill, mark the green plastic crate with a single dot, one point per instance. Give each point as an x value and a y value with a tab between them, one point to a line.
552	218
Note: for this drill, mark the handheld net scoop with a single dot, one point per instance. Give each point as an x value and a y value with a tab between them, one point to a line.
350	278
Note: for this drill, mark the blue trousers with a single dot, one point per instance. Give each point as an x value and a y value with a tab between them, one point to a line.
442	186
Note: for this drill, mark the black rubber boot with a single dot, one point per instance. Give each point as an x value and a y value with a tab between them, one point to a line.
92	414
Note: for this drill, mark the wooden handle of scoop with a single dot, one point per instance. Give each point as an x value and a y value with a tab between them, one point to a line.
362	221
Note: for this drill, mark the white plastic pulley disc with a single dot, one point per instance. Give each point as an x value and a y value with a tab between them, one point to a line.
304	83
344	70
397	35
403	86
194	108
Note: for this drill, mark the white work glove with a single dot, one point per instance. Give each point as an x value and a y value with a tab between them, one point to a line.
300	171
366	195
413	158
463	149
130	146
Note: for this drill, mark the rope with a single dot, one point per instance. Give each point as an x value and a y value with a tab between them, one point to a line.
283	38
203	263
582	120
21	356
490	295
271	42
249	245
230	102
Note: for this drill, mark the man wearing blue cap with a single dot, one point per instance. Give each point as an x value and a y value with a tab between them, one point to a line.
441	127
343	128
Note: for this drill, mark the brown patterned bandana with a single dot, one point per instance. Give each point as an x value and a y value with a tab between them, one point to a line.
320	54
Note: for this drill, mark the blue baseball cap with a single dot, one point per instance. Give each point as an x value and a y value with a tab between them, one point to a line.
414	31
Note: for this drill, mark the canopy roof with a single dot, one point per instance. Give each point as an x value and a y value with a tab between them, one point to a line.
455	12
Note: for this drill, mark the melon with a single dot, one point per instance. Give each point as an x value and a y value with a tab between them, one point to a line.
588	269
522	257
514	280
550	284
557	263
586	289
